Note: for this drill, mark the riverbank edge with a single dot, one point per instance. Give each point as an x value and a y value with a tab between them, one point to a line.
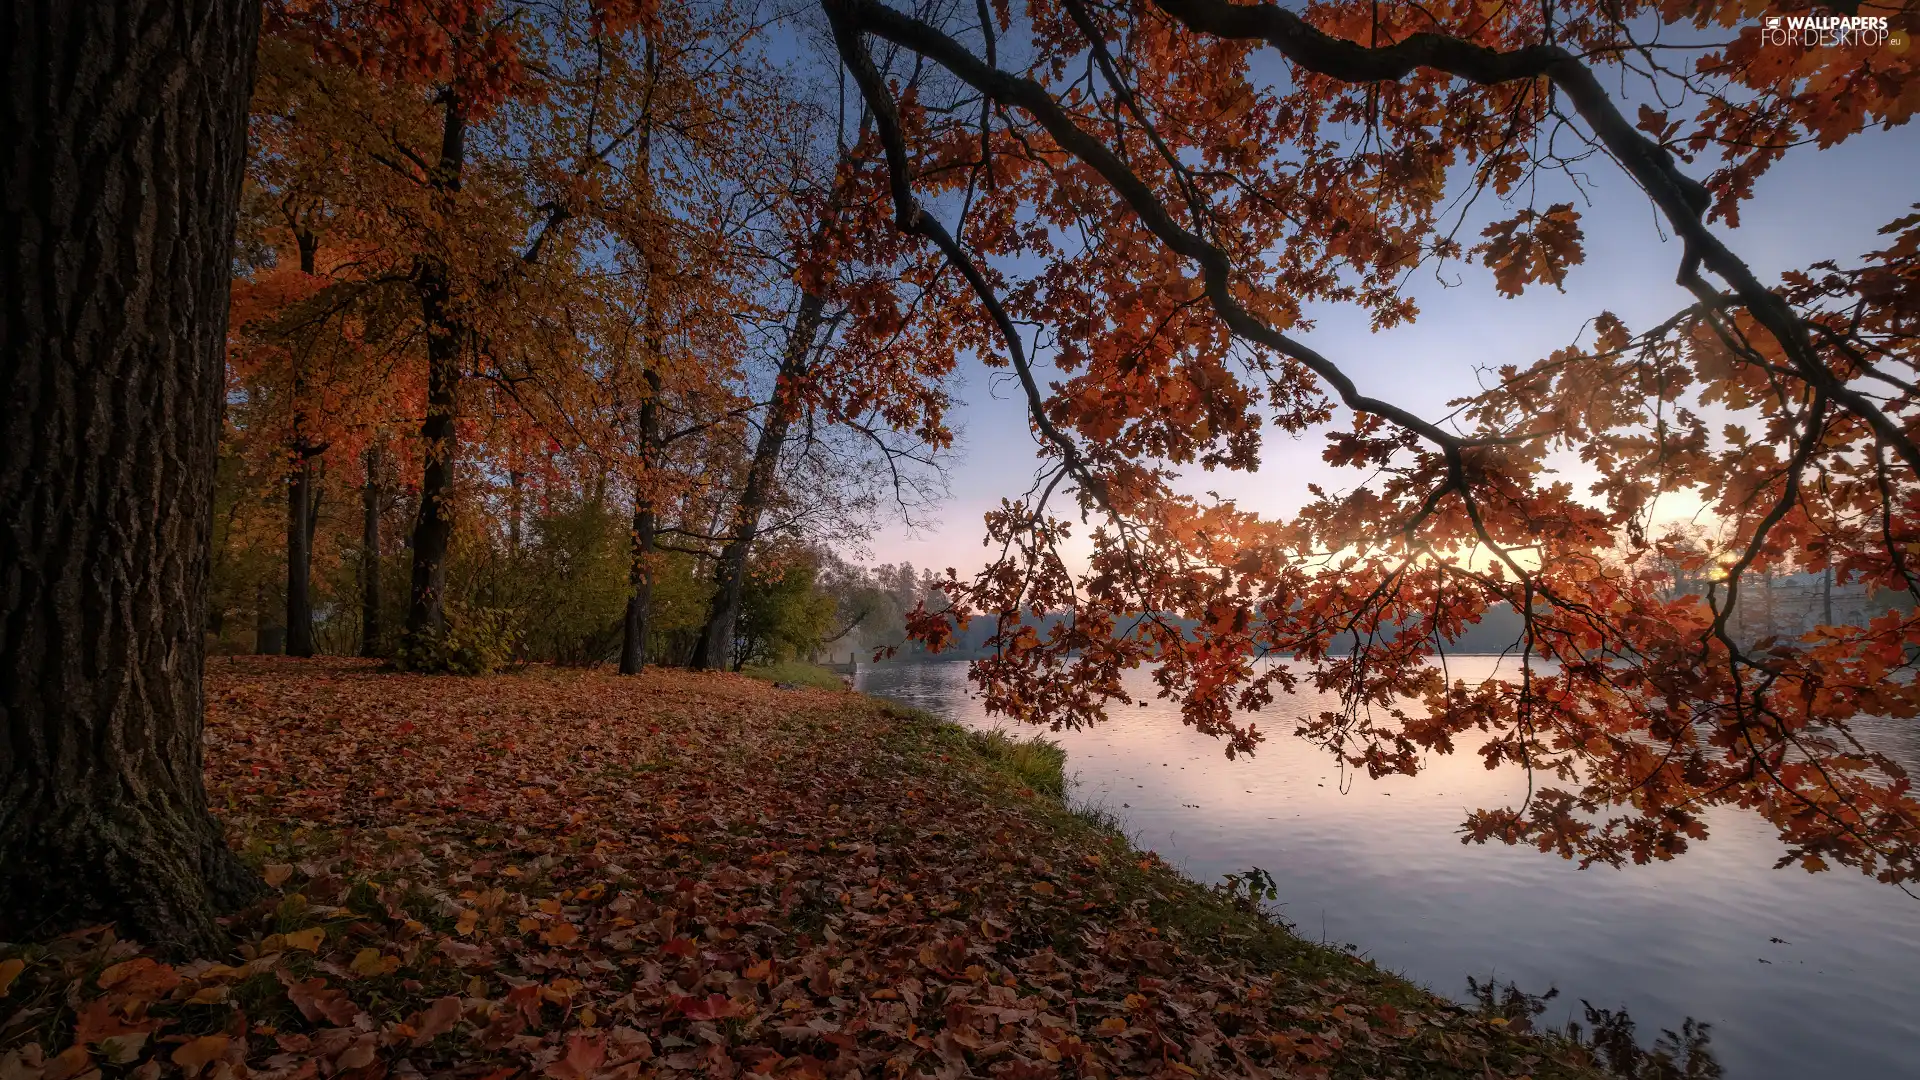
1210	920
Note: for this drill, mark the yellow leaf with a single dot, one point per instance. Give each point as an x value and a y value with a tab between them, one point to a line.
199	1053
9	971
309	939
369	962
562	934
468	919
276	874
527	926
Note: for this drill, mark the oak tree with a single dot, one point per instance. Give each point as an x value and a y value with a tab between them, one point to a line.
123	142
1163	187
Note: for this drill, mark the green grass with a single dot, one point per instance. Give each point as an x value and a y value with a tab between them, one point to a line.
1038	762
798	672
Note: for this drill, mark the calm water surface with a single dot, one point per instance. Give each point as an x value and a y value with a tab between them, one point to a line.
1380	865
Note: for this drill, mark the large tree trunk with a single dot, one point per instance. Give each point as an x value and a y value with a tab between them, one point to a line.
370	556
714	651
122	141
446	340
433	531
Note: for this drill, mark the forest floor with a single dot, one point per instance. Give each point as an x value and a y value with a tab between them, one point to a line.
572	875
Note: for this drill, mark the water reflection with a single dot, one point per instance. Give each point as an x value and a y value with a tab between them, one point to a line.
1798	975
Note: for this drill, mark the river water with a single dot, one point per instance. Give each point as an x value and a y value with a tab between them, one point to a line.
1800	975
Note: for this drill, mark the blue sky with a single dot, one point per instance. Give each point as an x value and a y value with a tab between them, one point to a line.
1814	205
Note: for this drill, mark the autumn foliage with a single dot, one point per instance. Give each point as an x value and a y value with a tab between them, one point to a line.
509	267
1164	189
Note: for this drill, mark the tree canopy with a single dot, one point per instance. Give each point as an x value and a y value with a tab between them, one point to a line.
1149	195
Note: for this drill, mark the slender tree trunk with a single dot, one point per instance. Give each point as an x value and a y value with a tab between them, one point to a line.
370	556
639	615
1826	598
300	496
433	531
633	646
300	557
122	140
269	638
639	618
446	340
714	650
515	507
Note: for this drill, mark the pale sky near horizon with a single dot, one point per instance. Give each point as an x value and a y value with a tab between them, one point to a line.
1814	205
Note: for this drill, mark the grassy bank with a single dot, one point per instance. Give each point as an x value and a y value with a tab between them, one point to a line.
577	875
797	673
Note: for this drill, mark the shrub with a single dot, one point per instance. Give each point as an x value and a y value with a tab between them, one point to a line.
477	640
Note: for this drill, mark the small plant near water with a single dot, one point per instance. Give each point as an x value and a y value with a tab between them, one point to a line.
1249	888
1609	1035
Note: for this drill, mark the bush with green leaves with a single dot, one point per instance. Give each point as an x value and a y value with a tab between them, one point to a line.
782	616
477	640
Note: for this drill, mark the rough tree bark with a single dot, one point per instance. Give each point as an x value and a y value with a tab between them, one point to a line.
714	650
446	340
370	556
639	616
122	140
433	531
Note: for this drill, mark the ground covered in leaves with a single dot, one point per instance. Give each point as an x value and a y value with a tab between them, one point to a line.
567	875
